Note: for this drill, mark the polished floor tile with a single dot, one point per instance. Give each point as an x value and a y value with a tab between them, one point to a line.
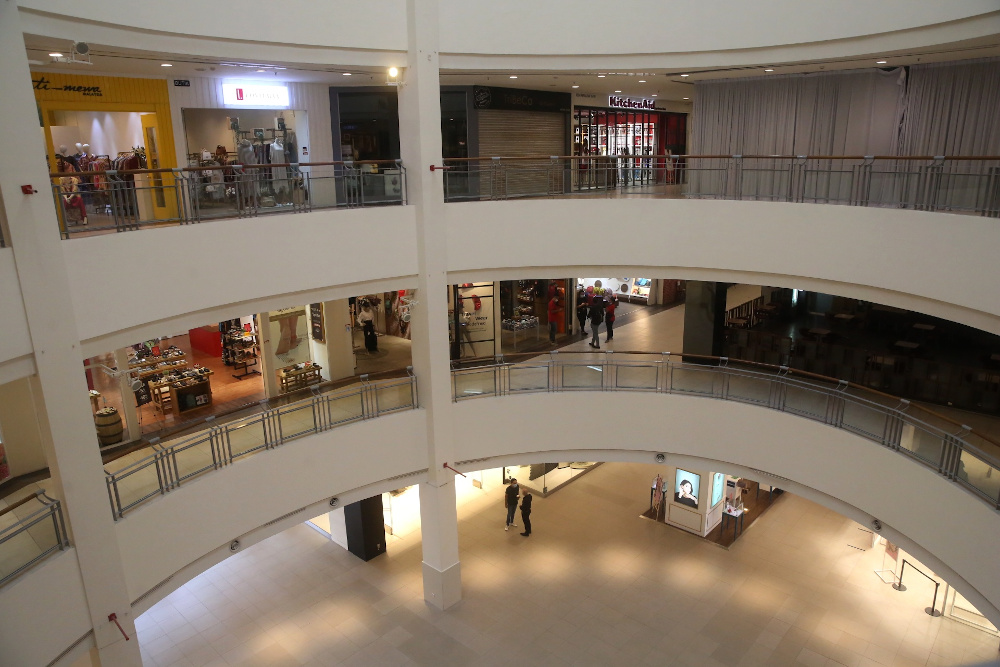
593	585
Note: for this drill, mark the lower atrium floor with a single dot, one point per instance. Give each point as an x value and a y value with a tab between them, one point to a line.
593	585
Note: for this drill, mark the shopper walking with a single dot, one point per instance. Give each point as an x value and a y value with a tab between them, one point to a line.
609	318
526	513
596	317
581	312
510	495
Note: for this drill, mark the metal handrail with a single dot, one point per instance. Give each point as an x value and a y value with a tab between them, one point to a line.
51	509
215	448
916	432
116	200
955	183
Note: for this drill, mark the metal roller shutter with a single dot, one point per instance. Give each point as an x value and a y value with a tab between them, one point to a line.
522	133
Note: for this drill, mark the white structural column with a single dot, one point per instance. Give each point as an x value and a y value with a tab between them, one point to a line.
130	414
420	145
73	455
267	369
339	343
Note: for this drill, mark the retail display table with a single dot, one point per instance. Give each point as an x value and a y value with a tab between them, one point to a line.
181	393
298	376
736	516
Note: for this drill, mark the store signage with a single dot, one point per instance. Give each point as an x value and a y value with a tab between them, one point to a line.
41	83
616	102
516	99
239	95
182	83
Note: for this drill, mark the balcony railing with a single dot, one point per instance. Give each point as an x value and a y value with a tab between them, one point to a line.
953	450
30	530
162	468
94	201
923	183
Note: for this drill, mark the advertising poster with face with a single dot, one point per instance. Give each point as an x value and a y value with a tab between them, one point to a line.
687	488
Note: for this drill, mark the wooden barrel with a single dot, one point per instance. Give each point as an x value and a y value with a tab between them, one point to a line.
109	426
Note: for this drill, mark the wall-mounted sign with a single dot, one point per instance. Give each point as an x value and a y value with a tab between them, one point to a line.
182	83
234	94
43	83
316	322
516	99
616	102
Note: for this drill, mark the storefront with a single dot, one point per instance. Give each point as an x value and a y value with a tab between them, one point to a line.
627	126
524	312
94	123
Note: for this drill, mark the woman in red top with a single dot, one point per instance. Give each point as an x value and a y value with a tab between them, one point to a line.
609	317
554	310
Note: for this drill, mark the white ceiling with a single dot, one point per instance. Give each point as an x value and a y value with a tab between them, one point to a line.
667	85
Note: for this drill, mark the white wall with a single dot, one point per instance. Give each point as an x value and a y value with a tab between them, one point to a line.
19	425
936	263
225	504
16	351
380	25
648	27
235	263
107	132
44	612
953	526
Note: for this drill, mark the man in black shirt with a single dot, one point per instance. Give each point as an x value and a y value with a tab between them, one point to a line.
526	513
510	502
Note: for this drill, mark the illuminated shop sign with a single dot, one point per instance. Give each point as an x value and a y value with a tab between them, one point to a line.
238	95
616	102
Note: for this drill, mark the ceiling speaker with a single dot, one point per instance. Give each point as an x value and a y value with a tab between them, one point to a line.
81	48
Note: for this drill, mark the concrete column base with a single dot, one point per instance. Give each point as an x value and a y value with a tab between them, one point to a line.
442	590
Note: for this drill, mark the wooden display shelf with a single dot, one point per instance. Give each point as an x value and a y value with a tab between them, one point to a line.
165	393
291	378
155	361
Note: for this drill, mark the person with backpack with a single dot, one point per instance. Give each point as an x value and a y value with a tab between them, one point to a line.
596	317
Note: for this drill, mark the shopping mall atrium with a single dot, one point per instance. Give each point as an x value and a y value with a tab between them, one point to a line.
317	345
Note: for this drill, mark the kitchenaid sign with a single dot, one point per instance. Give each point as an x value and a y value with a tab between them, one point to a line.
234	94
616	102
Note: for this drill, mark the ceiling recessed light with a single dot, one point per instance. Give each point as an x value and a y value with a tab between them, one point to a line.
55	55
618	91
166	65
880	62
687	98
346	73
685	75
653	95
768	70
262	70
513	76
600	76
642	81
576	86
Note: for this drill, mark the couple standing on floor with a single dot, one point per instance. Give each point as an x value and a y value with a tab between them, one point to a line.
597	309
510	497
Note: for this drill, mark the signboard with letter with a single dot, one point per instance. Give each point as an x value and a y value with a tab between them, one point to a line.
251	95
517	99
316	320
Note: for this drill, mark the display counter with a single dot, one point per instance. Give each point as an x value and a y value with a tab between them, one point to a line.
182	392
298	376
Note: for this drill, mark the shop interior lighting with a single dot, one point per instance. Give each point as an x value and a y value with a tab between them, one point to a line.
642	81
685	75
654	95
600	76
56	55
768	70
513	76
576	86
687	98
165	65
880	62
262	70
346	73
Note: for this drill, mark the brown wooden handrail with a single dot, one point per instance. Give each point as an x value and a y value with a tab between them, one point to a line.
720	156
769	367
165	170
22	501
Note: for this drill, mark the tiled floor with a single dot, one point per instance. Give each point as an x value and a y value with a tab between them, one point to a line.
593	585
